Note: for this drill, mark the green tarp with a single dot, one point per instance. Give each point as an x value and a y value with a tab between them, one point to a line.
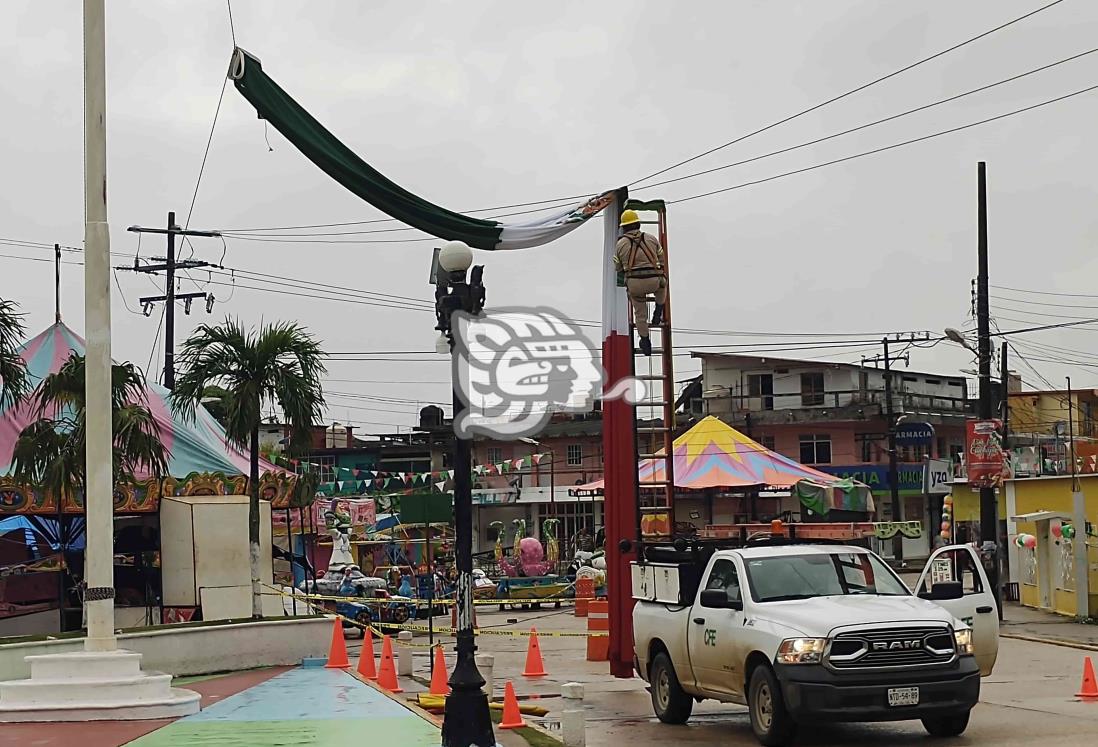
341	163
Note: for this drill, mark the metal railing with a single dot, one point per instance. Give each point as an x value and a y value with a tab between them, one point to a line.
903	401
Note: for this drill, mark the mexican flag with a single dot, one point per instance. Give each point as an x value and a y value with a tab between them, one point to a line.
339	162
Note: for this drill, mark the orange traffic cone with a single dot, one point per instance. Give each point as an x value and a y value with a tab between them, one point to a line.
366	666
387	675
337	652
1089	690
534	665
439	684
512	717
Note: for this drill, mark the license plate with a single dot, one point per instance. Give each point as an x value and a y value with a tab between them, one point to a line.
903	696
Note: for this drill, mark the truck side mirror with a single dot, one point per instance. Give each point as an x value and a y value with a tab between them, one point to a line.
943	591
718	599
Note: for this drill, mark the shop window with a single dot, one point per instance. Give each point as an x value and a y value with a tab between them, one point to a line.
495	454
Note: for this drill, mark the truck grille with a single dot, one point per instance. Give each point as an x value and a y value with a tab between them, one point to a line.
891	647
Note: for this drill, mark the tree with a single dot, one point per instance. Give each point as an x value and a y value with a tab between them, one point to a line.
280	365
50	452
13	371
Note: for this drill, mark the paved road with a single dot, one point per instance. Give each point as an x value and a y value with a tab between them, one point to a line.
1027	700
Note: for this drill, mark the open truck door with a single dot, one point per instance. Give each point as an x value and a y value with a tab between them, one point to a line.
973	602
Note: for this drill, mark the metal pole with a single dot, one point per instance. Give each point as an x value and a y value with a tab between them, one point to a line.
467	721
1079	520
989	508
57	283
169	309
893	472
99	506
290	546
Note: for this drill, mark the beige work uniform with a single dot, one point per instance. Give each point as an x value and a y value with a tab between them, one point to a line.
640	256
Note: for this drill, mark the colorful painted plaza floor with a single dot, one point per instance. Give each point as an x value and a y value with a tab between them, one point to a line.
311	706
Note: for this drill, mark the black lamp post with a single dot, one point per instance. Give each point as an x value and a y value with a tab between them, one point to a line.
467	722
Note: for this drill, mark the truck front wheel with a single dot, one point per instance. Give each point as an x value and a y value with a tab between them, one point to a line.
670	703
770	720
953	725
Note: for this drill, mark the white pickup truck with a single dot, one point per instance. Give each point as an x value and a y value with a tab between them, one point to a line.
803	633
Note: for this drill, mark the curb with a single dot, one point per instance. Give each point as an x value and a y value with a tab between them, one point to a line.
1051	641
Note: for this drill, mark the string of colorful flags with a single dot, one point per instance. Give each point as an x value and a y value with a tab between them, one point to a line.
356	480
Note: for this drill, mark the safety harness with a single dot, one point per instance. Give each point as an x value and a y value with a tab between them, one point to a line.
654	269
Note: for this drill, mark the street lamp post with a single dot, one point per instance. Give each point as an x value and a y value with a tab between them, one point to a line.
467	722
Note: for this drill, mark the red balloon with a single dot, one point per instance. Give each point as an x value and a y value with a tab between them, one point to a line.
1057	531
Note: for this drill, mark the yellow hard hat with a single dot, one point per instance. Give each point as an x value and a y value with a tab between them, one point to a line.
629	217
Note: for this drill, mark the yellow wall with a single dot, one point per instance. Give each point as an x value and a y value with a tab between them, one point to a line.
1054	494
966	504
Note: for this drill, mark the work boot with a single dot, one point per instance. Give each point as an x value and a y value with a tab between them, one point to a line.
657	315
646	345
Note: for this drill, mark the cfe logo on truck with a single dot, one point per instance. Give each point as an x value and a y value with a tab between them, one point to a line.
710	637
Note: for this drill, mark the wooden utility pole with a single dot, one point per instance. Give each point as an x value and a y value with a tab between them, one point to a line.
169	266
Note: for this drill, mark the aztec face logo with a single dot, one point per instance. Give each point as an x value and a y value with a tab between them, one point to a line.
514	368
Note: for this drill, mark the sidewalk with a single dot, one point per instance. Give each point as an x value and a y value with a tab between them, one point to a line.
311	706
1026	623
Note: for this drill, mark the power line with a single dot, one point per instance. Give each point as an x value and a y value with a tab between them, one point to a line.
1045	293
852	91
886	147
871	124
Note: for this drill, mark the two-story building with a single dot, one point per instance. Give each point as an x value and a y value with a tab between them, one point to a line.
833	416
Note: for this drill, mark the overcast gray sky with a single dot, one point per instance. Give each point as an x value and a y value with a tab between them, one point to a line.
477	104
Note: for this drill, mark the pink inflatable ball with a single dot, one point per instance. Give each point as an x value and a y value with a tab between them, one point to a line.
945	526
1031	542
1057	531
944	534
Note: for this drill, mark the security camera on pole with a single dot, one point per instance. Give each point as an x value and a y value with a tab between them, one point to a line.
467	722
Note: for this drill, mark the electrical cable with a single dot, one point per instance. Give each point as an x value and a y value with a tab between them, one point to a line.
875	151
852	91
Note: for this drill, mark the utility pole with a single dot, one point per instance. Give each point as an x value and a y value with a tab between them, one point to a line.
893	468
56	283
170	296
989	507
1078	520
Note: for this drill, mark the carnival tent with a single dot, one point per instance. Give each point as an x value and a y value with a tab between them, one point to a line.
713	454
195	446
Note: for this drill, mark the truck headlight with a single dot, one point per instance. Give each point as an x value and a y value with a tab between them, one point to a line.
801	650
963	639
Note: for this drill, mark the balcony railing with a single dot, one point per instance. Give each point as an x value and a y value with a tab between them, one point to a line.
902	401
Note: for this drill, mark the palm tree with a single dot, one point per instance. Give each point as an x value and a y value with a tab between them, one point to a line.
13	372
50	452
281	365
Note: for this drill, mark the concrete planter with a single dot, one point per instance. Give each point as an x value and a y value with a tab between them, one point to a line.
192	649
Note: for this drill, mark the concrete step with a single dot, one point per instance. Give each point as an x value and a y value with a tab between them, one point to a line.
85	665
175	704
142	688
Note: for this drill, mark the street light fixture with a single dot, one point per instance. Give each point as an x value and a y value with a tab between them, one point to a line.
957	336
467	722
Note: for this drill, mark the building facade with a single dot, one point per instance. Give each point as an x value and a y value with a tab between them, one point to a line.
833	416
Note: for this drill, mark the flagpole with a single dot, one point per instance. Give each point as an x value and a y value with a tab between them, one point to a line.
98	498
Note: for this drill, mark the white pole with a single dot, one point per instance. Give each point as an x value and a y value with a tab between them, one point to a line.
99	508
1079	548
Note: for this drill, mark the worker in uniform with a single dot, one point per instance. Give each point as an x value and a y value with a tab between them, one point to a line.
639	258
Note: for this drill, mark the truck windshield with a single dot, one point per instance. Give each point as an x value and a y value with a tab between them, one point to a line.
784	577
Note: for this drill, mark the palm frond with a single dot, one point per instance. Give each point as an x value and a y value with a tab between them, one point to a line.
14	382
